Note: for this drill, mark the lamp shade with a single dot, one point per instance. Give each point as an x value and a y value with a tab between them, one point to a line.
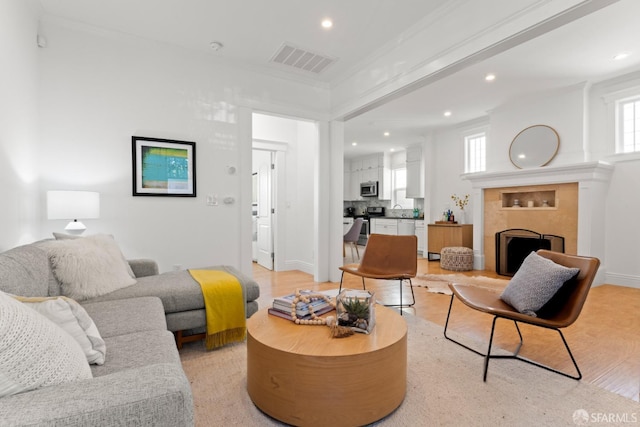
73	205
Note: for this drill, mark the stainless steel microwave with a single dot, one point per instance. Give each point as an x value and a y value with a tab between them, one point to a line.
369	189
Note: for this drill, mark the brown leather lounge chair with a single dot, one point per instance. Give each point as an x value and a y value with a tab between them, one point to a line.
389	258
561	311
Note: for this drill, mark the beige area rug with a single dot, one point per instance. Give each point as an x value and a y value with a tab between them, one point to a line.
444	388
439	283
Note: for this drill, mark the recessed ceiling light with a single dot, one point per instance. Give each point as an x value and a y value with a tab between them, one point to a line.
392	149
386	134
490	77
216	46
621	55
354	143
447	113
327	23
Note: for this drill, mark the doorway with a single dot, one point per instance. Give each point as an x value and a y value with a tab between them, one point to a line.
263	169
287	212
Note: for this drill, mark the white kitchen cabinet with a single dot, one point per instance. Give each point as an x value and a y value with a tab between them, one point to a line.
384	226
372	162
371	175
406	227
365	169
415	173
420	235
346	224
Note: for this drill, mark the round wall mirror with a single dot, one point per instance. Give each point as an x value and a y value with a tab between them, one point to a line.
535	146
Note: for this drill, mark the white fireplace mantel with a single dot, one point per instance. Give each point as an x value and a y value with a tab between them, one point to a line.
592	178
581	172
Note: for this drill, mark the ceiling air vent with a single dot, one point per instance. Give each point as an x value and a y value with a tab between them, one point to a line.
302	59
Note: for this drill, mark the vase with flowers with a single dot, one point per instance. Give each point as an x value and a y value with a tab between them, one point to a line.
461	202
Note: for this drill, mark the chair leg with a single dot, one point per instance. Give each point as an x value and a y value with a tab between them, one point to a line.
488	355
446	326
413	296
341	277
357	252
548	368
514	355
402	304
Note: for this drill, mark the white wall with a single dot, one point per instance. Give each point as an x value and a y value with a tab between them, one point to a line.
622	232
97	90
443	177
622	203
18	124
563	110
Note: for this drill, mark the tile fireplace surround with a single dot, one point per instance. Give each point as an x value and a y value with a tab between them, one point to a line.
583	214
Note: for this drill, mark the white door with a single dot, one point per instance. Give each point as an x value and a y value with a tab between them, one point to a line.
265	216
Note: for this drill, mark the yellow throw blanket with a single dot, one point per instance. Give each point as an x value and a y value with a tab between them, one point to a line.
224	305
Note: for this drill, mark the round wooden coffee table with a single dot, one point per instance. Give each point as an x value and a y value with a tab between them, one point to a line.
302	376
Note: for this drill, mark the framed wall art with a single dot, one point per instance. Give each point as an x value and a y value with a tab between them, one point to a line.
163	167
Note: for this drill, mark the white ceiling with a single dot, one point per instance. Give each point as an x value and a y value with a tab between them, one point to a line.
581	51
253	30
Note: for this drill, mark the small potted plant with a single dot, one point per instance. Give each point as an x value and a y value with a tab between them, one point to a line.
356	310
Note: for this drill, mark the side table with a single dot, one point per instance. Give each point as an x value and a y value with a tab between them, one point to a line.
302	376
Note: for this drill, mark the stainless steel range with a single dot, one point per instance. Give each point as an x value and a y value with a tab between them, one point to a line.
372	211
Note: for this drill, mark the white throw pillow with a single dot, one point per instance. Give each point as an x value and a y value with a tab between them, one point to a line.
34	352
75	320
63	236
89	267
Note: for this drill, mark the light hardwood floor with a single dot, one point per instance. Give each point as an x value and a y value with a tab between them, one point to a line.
605	340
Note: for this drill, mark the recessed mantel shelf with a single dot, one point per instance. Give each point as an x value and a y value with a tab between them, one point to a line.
525	208
534	198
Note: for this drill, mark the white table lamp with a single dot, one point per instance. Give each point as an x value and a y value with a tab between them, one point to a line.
73	205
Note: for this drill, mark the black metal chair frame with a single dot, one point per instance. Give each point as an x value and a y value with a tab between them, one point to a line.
515	355
401	305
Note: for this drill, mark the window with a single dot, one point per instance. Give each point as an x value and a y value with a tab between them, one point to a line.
475	153
628	126
399	189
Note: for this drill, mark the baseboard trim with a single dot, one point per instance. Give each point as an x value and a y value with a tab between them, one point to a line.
623	280
299	265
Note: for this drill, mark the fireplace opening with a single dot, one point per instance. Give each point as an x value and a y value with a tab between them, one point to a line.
514	245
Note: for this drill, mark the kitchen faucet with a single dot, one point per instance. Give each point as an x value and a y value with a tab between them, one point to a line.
394	208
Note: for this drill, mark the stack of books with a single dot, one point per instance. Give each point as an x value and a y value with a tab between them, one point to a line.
282	307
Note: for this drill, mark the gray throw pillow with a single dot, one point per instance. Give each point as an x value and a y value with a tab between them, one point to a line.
535	283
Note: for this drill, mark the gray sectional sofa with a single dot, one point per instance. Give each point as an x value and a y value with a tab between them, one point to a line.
141	381
180	294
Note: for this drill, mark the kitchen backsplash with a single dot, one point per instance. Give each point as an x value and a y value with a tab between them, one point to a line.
361	207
